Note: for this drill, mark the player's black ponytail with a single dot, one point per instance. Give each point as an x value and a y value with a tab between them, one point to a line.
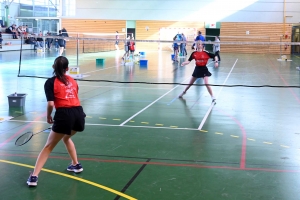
60	67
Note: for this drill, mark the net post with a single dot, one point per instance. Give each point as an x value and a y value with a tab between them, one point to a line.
77	47
280	47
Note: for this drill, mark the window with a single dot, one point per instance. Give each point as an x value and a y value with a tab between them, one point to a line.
69	8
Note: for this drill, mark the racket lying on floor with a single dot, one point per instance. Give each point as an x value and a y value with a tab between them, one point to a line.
23	139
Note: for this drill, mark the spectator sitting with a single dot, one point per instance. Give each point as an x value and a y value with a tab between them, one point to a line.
20	30
31	40
12	30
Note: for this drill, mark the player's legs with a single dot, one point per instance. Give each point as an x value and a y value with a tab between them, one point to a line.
192	80
208	87
176	54
52	141
69	144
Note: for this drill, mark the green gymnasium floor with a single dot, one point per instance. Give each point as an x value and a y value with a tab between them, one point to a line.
142	142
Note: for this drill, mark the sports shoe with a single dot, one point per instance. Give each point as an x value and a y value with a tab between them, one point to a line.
213	99
75	168
32	181
183	93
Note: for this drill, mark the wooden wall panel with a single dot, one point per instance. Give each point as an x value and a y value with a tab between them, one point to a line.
258	32
81	26
154	31
230	31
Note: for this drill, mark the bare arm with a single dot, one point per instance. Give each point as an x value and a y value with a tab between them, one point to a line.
185	63
50	106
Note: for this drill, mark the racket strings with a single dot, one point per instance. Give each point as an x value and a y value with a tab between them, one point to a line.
24	138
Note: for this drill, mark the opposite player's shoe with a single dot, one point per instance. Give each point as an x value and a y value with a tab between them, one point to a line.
32	181
181	95
213	99
75	168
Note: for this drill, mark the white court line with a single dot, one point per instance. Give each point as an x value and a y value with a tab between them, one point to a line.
213	103
151	104
226	78
98	70
113	125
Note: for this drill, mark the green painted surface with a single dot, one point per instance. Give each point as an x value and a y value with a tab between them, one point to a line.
184	163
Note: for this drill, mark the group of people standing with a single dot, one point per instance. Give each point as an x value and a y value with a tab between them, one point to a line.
179	46
38	42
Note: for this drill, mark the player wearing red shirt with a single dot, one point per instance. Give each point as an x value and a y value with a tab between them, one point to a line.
62	93
201	71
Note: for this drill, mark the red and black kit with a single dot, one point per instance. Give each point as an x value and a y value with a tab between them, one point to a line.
201	59
69	114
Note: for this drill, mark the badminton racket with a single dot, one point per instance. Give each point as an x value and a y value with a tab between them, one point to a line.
23	139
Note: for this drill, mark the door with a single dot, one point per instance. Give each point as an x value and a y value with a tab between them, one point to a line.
210	36
131	32
296	38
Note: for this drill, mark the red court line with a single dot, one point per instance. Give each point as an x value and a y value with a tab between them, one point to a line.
283	80
20	131
161	164
244	139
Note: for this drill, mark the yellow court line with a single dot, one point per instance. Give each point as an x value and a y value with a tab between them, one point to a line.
73	177
117	119
267	142
250	139
235	136
284	146
173	126
218	133
102	118
131	121
144	122
158	124
88	116
203	131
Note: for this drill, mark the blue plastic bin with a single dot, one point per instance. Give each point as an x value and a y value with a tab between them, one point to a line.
143	62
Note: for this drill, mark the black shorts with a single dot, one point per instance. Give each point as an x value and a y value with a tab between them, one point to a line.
61	44
68	119
201	72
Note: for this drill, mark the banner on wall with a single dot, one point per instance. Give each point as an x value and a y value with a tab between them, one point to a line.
212	24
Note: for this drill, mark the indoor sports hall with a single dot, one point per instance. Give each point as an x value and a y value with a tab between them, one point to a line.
145	138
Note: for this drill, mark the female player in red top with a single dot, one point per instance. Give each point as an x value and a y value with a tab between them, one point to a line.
62	93
201	57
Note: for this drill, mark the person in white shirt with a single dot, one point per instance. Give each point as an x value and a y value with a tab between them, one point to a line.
216	47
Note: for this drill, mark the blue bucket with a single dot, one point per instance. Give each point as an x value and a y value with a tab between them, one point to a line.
142	54
143	62
172	56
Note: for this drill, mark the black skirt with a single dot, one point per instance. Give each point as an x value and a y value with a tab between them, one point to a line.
201	72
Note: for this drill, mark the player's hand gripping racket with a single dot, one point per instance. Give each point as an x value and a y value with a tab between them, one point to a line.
23	139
